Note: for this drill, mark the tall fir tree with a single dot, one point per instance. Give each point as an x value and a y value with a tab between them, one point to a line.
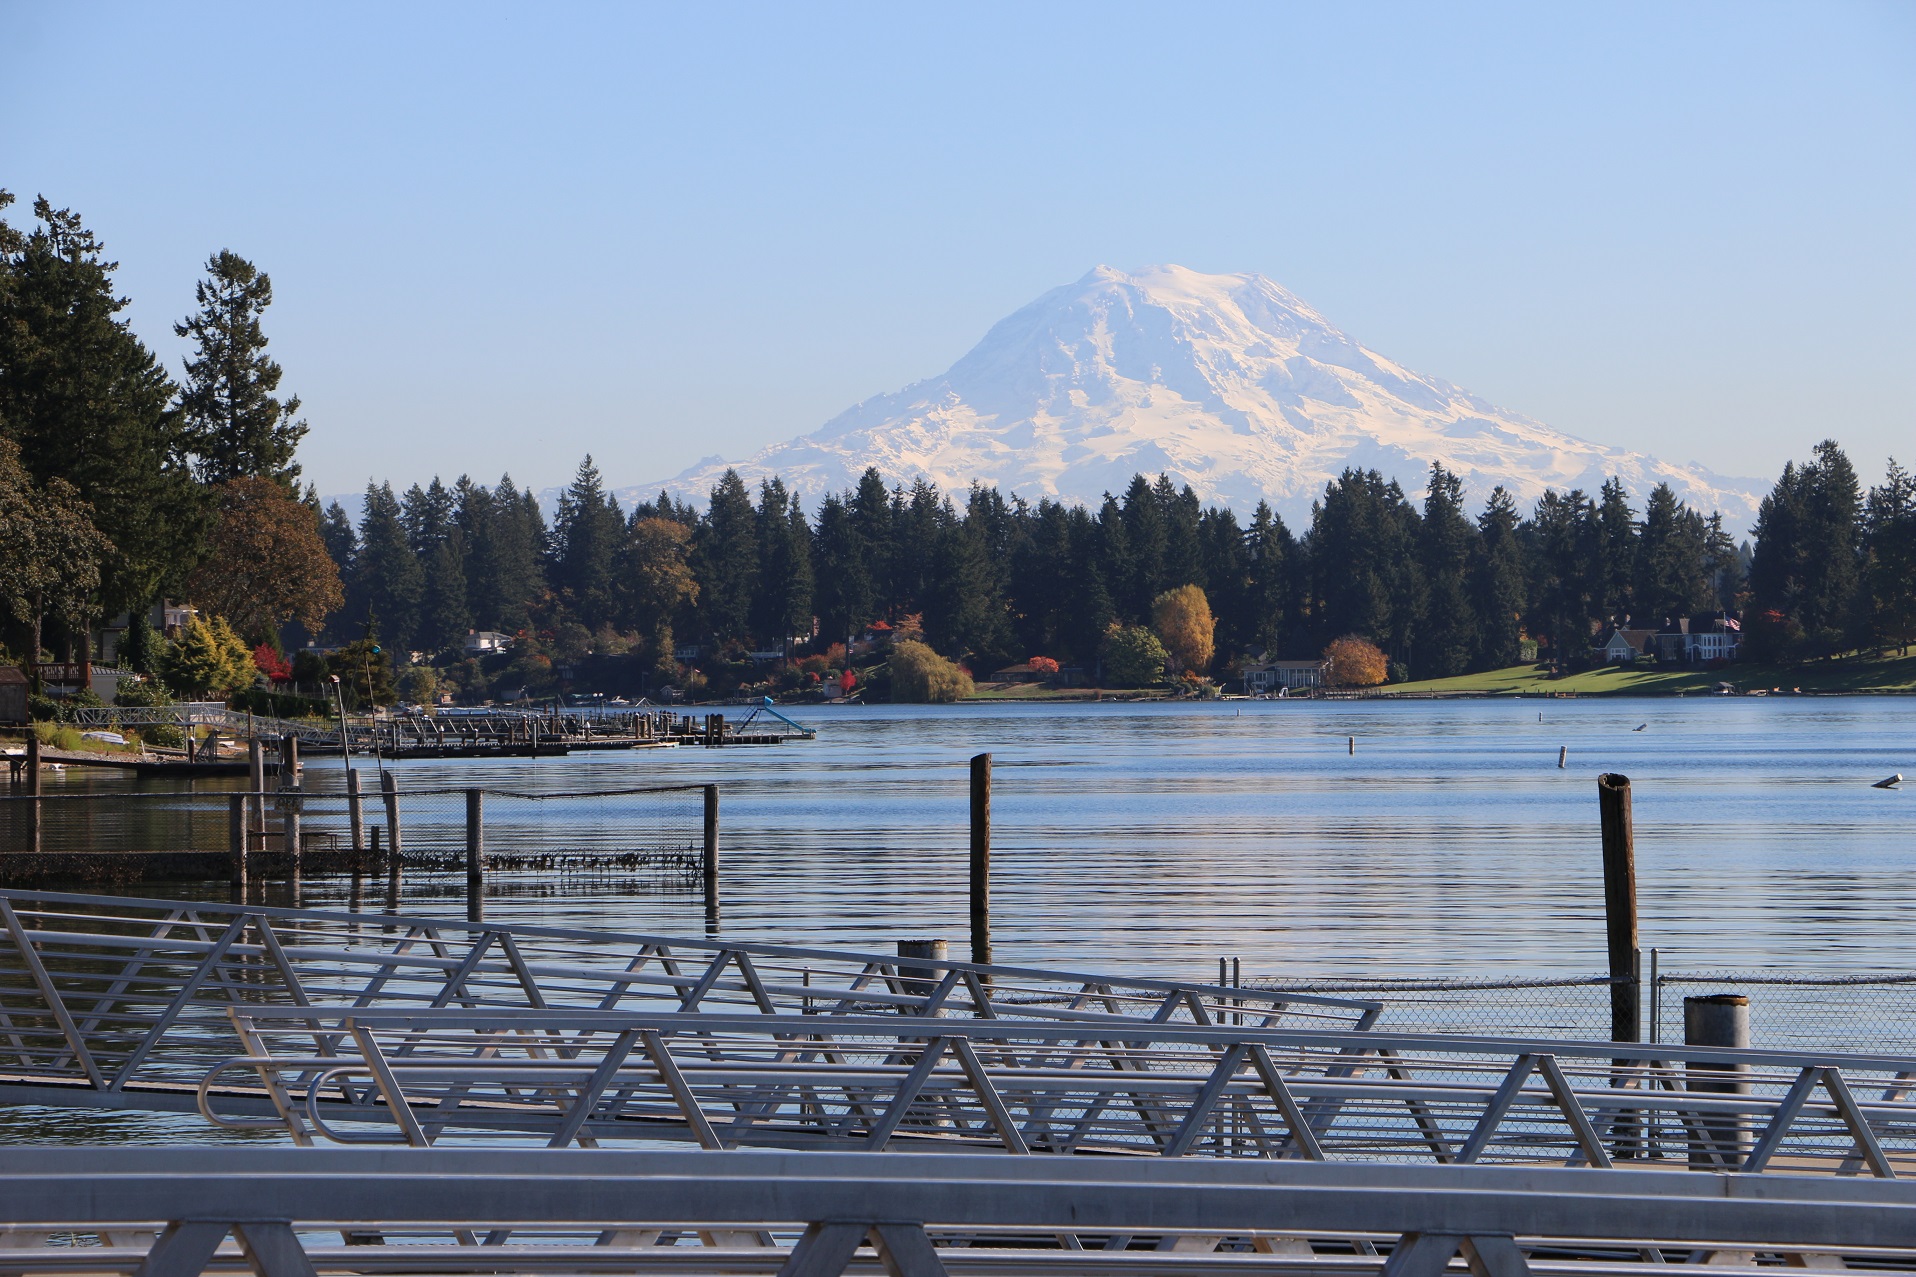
87	403
588	534
725	559
844	585
1890	563
387	578
1498	590
1448	638
236	426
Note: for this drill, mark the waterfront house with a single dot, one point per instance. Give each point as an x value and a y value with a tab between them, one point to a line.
1266	677
1699	640
486	642
1022	672
1625	647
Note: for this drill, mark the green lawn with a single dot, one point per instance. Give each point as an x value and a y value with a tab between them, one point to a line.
1848	674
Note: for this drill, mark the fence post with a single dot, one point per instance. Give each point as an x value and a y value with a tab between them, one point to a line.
475	855
389	789
355	814
236	842
33	789
1718	1019
981	858
1620	906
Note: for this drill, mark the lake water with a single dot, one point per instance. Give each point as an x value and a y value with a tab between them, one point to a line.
1160	837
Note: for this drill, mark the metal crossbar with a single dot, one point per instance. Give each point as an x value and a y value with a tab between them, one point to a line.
123	1002
916	1082
179	1212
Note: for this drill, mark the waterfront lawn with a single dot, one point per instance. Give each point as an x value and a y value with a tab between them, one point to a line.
1846	674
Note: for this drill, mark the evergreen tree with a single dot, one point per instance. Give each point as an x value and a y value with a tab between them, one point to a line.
844	583
1557	538
517	563
1365	578
1673	560
88	404
388	580
1890	566
782	605
1272	554
1148	541
1225	571
342	543
1497	583
1448	638
444	615
1611	550
725	560
1806	572
428	516
236	428
870	507
587	536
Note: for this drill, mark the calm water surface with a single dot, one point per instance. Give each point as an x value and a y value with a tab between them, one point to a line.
1157	838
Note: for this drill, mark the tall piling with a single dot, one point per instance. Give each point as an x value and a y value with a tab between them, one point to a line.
389	790
256	804
355	815
981	858
710	859
475	855
236	844
1620	906
33	790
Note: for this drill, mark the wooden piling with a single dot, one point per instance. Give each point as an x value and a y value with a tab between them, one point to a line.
389	790
355	815
236	843
33	790
475	855
1620	906
711	857
981	858
1352	742
1563	755
256	773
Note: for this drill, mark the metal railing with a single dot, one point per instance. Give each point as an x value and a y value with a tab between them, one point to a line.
178	1212
124	1002
1237	1087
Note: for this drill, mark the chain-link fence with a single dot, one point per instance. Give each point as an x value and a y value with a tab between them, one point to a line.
130	837
1873	1012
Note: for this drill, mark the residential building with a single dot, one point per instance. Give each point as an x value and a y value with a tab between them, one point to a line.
1266	677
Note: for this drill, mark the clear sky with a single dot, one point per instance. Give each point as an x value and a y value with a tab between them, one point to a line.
503	236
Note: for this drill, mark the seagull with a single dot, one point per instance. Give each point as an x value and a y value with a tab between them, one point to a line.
1639	727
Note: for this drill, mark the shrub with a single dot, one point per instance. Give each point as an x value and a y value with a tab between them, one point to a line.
921	676
142	693
209	658
1133	657
1355	662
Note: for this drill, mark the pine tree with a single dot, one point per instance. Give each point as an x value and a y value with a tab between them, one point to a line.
1148	540
844	585
1272	553
88	404
870	509
782	607
1611	541
1497	583
236	428
1673	560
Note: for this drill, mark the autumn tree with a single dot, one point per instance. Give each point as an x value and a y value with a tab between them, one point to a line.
1355	661
1183	623
265	562
236	427
659	580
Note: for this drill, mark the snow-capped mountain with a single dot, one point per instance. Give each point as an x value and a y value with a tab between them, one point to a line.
1226	382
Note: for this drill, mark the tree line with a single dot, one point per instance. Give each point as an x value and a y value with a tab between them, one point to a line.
120	484
990	579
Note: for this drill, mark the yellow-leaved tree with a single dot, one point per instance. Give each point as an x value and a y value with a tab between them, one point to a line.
1355	662
920	676
1183	621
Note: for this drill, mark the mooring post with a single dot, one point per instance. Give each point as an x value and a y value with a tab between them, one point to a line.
711	858
289	761
256	804
1723	1020
389	790
236	843
981	858
475	855
33	790
1620	906
355	814
1351	741
916	981
1563	754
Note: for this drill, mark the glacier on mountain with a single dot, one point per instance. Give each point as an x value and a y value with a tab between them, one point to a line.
1226	382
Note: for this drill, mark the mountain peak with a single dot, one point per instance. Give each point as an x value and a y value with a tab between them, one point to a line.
1230	383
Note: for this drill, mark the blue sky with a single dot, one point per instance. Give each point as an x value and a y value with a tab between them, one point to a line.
504	236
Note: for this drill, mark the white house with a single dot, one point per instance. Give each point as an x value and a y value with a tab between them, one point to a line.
486	642
1266	677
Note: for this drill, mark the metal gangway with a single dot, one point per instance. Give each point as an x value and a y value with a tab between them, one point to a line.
1226	1083
124	1002
180	1212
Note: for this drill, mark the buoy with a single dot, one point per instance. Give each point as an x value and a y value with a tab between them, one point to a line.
1889	782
